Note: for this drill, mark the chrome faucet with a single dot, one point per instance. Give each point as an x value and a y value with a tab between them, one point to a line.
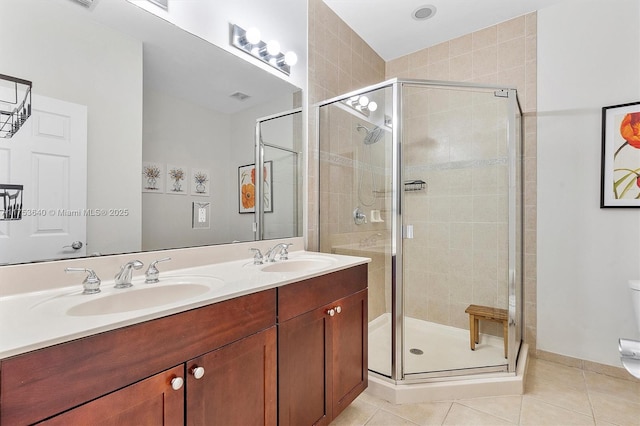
123	278
278	248
152	275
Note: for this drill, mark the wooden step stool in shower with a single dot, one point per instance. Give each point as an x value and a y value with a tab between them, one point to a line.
476	313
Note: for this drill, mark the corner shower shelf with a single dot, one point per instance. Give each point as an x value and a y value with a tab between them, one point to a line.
415	185
15	104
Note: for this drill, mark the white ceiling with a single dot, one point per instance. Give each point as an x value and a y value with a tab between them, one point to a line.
184	65
388	27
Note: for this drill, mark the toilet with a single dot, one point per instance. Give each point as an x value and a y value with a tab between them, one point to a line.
630	349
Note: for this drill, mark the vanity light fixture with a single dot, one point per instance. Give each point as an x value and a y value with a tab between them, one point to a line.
362	104
15	104
249	41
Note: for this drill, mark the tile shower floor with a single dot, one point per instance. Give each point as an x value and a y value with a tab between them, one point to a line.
442	347
554	395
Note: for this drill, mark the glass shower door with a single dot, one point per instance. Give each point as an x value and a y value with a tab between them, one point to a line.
455	212
355	203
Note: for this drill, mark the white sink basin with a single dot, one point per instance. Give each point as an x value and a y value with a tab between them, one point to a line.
298	265
141	296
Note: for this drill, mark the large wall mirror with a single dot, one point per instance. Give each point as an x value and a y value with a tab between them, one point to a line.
165	124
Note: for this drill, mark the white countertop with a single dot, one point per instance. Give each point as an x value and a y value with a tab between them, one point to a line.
35	320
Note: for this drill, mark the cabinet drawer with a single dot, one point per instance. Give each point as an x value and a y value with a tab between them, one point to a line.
45	382
304	296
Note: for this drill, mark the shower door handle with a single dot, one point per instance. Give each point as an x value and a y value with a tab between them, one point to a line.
408	232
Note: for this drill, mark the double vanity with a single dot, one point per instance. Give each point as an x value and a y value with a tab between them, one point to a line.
235	342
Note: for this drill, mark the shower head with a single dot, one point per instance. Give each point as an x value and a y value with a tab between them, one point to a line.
372	135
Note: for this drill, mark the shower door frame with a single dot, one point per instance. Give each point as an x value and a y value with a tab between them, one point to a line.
515	277
259	145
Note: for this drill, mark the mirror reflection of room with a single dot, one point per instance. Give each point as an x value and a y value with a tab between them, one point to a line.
129	92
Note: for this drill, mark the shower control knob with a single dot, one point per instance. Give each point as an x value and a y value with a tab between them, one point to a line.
197	372
176	383
331	312
338	309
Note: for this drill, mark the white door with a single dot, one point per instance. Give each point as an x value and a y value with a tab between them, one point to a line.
48	156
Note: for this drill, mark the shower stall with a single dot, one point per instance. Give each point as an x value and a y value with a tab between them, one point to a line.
424	177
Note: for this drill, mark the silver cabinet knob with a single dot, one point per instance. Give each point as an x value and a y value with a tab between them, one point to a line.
338	309
197	372
176	383
331	312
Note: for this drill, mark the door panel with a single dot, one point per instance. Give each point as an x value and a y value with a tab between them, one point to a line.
302	368
149	402
48	156
349	337
239	385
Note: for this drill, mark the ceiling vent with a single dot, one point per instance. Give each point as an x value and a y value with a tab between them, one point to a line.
424	12
240	96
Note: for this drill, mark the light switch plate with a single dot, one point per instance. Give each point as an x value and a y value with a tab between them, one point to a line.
201	215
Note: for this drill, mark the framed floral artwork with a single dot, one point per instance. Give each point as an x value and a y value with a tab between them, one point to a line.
620	186
200	182
152	177
247	188
177	183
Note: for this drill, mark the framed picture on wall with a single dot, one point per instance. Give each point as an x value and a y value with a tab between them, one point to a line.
152	177
200	182
177	180
247	188
620	184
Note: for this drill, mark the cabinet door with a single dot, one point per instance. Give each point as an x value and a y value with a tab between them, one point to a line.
152	401
350	355
238	385
302	370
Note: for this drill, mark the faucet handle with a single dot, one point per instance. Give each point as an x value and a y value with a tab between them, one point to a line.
257	257
91	283
152	273
284	253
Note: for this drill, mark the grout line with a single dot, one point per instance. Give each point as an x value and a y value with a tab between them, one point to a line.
448	412
586	386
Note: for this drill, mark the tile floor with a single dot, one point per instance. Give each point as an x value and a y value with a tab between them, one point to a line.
554	395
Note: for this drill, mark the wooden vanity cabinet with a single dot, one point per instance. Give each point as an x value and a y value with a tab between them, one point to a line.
129	370
322	346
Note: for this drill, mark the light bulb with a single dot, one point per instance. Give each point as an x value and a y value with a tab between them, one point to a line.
253	35
363	101
372	106
273	47
290	58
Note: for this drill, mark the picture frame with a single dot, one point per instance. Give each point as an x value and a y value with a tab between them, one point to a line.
620	174
177	182
200	182
152	177
246	188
